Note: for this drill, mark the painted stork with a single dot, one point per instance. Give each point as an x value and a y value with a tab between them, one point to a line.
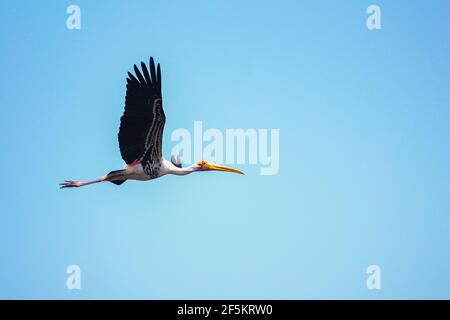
140	135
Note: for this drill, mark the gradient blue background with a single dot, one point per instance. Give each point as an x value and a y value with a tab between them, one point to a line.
364	150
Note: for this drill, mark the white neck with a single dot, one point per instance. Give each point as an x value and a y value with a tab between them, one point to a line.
169	168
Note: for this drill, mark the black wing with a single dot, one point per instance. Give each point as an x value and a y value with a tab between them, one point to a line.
142	123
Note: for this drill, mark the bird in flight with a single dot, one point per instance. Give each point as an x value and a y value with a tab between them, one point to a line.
140	135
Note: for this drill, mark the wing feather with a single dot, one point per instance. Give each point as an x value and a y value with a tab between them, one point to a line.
152	72
146	75
159	80
142	123
139	75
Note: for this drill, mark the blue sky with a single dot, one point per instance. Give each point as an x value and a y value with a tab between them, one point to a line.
364	150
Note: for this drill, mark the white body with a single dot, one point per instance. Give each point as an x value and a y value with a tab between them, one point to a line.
136	172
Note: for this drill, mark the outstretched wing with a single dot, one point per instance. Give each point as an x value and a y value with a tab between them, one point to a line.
142	123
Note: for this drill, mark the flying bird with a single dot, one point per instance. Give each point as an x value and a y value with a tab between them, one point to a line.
141	132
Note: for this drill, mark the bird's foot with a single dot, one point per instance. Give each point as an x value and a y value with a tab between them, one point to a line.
70	184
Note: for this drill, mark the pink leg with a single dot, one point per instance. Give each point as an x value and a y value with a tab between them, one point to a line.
76	184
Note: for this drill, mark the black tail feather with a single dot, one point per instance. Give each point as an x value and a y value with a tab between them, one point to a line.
118	182
116	173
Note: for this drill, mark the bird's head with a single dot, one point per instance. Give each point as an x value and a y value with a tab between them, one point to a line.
204	165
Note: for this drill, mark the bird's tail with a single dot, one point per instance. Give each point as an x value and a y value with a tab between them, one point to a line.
115	175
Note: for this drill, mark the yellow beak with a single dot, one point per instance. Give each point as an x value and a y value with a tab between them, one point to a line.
218	167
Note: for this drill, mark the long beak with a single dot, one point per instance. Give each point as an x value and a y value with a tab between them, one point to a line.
218	167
